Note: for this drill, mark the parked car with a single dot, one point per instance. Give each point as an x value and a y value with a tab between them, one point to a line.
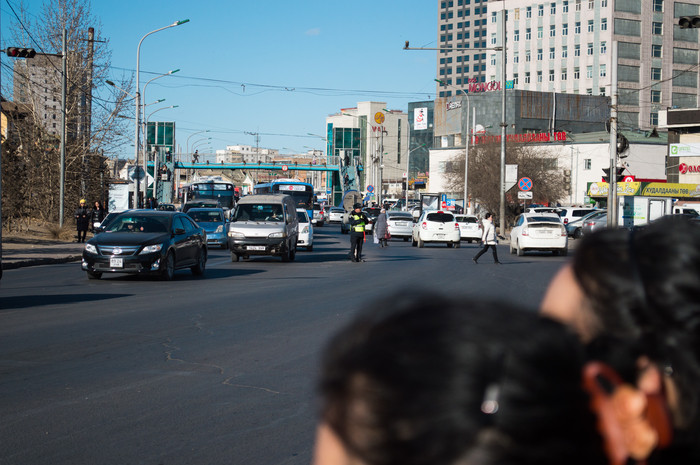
335	215
213	220
469	227
147	242
264	225
569	214
542	210
399	225
575	228
306	230
538	231
437	227
372	214
595	223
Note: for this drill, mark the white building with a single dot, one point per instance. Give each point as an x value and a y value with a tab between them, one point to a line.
245	153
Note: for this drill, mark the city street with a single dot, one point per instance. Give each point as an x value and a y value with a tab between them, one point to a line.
218	369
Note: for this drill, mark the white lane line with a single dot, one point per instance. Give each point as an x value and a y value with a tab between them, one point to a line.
219	263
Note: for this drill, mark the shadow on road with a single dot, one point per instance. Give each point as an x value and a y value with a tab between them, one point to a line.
25	301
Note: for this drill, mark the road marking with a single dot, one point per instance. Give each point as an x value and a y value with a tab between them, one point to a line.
219	263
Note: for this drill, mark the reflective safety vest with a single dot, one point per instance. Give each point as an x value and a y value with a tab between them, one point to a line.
358	227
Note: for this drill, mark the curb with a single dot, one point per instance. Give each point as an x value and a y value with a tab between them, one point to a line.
40	261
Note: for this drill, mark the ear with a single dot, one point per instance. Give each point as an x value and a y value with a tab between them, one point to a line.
651	383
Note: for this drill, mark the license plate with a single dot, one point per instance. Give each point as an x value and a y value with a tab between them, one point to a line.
401	223
116	262
255	247
439	236
546	232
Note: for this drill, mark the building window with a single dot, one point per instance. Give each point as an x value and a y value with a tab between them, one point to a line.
551	75
493	60
589	49
604	24
565	29
577	74
577	50
539	54
602	71
552	8
577	27
527	78
589	72
563	74
658	6
539	76
528	57
494	16
552	31
516	35
528	12
654	119
655	96
656	51
528	34
540	33
587	164
565	51
657	28
516	57
552	53
601	91
493	39
516	14
591	4
590	25
603	48
540	10
578	5
603	3
655	74
515	79
589	91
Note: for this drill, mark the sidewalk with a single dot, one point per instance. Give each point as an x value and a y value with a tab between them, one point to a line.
19	252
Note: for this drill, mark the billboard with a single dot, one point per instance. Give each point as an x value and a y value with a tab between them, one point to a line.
689	149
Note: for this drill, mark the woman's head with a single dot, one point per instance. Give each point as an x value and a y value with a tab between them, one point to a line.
426	380
487	216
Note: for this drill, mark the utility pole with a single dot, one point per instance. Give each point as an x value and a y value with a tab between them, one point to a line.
503	125
612	177
63	132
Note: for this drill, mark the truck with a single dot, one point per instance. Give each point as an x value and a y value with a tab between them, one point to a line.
638	210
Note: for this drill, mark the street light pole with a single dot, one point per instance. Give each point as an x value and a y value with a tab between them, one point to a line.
503	124
155	159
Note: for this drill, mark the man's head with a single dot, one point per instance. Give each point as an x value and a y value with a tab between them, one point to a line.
83	202
488	216
357	207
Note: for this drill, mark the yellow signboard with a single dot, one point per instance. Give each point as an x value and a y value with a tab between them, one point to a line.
379	117
646	189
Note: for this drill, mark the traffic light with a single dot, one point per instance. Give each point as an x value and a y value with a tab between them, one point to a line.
16	52
689	22
567	181
619	176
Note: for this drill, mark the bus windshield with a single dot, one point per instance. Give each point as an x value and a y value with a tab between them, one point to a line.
221	191
301	192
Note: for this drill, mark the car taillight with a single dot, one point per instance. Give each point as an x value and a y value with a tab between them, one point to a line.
590	223
456	226
478	225
525	233
566	221
563	232
424	225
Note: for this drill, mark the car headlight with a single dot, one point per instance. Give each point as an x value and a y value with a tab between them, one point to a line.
236	235
90	248
151	249
305	230
219	229
276	235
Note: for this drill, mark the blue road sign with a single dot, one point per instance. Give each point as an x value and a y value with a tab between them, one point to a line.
370	188
525	184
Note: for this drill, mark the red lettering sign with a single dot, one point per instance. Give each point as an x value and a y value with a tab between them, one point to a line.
685	169
522	138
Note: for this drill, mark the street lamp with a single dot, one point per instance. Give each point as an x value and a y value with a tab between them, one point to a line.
145	126
155	158
138	100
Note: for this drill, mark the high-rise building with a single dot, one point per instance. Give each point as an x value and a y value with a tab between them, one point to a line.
566	46
37	85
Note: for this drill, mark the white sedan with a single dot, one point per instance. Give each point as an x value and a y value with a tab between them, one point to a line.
469	227
439	227
400	224
539	231
306	230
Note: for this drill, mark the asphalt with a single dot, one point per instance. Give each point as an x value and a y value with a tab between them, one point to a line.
20	254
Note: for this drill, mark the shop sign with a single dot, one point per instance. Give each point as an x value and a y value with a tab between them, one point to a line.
690	149
685	169
646	189
454	105
535	137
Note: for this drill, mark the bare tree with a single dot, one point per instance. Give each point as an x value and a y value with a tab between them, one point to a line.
93	127
485	177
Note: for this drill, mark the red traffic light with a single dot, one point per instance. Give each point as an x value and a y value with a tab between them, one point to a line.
16	52
689	22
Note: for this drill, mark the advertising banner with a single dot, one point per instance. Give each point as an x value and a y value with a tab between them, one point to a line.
420	118
689	149
646	189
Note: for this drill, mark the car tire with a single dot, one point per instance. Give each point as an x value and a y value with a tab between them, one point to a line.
512	249
198	269
168	268
421	244
469	241
519	250
413	242
310	248
450	245
578	233
458	245
234	256
93	275
405	239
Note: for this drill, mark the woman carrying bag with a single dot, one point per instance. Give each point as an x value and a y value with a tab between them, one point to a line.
381	231
489	239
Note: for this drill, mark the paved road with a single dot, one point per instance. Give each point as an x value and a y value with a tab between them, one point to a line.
214	370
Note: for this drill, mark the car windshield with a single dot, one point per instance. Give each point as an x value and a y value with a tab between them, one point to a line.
401	216
206	216
440	217
543	219
139	224
373	211
466	219
259	212
303	217
337	210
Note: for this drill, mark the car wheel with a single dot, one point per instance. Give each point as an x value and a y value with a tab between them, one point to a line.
519	250
92	275
405	239
168	268
578	233
563	252
234	256
310	248
469	241
458	245
512	249
198	269
450	245
421	244
413	242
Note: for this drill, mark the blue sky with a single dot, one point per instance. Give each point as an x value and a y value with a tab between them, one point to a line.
328	54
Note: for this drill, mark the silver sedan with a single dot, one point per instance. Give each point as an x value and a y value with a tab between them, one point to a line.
400	225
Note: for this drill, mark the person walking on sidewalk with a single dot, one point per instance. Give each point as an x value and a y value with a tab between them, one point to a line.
82	220
489	239
358	220
380	228
96	216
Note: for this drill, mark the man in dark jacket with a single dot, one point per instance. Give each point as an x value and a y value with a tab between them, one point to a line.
358	221
82	220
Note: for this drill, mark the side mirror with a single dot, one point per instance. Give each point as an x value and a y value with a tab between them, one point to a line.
179	231
98	229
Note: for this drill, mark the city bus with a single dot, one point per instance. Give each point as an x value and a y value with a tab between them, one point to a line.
224	192
301	192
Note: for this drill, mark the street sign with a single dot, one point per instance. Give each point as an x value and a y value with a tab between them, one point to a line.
525	195
525	184
370	188
328	191
511	176
137	173
285	167
405	175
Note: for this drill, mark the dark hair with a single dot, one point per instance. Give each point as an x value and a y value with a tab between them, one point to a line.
409	382
487	216
644	287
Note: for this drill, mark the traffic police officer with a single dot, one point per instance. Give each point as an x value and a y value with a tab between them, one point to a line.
358	220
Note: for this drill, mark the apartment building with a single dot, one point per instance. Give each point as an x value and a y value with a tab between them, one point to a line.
37	86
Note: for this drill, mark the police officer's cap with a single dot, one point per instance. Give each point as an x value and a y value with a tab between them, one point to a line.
357	205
